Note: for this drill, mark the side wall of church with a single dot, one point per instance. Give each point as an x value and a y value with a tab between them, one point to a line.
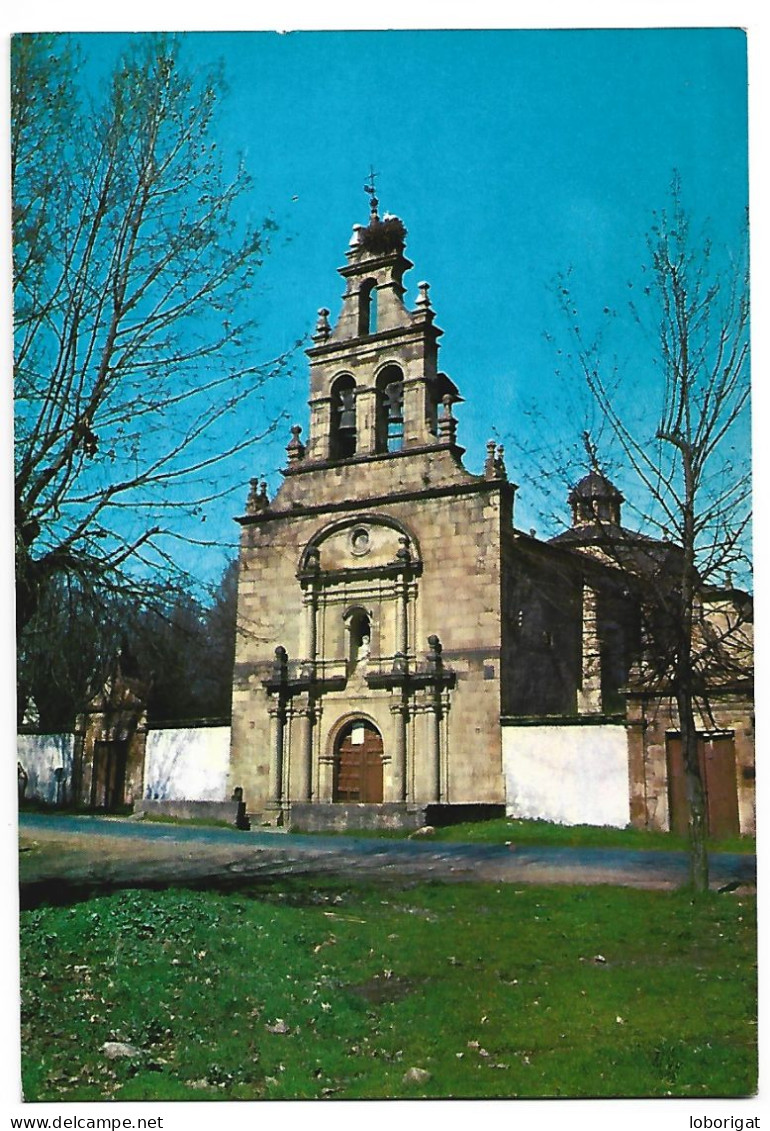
545	620
541	631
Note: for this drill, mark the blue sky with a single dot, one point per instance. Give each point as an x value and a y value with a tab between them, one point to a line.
510	155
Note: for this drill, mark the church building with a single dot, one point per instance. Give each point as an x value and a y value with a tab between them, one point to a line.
389	613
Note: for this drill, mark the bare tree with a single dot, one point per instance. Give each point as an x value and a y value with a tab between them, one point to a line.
184	649
134	367
689	454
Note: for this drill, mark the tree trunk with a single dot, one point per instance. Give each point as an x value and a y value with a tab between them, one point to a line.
685	676
696	798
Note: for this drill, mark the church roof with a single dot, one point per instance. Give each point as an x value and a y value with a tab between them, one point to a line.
630	550
595	486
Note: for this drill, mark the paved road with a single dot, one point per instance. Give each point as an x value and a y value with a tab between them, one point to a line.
75	855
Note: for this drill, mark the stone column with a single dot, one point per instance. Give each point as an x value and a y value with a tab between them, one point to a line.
404	557
304	777
277	721
397	790
402	638
433	751
589	698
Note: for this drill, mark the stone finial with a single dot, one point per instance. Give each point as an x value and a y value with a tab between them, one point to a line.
434	656
447	424
357	237
280	663
257	500
295	448
494	464
322	327
423	302
313	559
489	462
252	502
403	554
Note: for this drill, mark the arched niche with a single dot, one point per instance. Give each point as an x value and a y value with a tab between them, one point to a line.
358	627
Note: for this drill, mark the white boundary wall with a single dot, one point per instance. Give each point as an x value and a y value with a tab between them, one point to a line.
572	775
41	755
187	764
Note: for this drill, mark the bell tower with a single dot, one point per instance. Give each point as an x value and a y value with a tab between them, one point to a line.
375	388
358	682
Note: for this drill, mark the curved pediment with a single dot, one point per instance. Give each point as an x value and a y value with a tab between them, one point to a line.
364	542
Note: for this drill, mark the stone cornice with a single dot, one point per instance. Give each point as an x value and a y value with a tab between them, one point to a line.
350	346
481	486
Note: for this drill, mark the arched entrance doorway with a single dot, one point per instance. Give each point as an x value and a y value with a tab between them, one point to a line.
358	763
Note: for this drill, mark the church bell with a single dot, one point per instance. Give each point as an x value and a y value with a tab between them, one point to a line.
347	410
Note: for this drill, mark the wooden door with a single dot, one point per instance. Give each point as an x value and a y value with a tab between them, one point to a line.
109	775
721	786
358	765
716	756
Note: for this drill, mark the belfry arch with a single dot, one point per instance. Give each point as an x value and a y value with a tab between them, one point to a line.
343	437
367	308
390	409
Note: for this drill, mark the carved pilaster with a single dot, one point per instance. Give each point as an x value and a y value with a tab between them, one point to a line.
326	778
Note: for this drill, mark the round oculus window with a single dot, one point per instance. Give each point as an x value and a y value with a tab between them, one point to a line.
360	542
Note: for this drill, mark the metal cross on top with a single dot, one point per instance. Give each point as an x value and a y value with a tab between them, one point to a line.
370	188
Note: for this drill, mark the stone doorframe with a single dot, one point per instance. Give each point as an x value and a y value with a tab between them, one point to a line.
328	759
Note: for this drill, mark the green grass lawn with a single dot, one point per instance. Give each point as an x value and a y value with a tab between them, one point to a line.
505	830
338	991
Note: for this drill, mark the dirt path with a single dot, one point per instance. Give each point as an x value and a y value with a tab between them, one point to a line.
61	860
